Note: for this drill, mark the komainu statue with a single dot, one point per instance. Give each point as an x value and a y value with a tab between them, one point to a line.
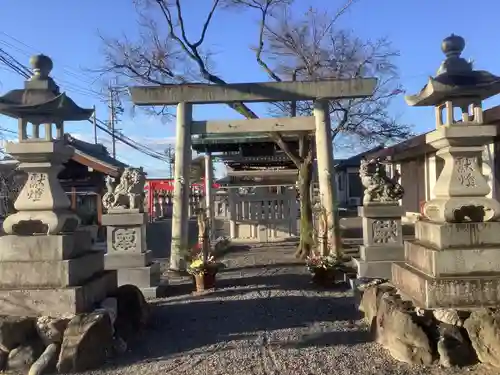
379	188
129	193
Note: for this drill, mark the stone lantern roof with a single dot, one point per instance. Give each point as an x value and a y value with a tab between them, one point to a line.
455	79
41	101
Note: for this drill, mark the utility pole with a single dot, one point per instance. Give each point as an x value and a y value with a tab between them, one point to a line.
170	152
111	121
94	122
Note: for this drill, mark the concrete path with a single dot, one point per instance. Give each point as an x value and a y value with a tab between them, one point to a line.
265	319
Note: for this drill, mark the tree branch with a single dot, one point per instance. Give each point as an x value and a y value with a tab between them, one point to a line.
278	139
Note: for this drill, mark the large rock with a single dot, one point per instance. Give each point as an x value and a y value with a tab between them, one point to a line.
454	347
397	330
87	342
371	299
22	357
47	361
15	330
132	312
450	316
51	330
483	328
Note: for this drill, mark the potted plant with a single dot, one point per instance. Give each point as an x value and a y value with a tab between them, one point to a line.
324	269
204	271
203	266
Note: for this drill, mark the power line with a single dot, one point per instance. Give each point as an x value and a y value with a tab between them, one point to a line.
24	71
82	90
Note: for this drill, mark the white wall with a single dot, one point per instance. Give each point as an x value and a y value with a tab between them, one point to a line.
430	176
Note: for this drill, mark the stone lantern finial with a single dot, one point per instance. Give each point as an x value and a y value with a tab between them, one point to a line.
42	66
453	47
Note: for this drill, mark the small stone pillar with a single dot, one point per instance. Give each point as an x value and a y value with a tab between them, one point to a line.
161	206
233	230
47	267
126	234
454	259
381	218
209	194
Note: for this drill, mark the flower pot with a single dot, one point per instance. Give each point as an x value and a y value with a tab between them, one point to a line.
324	277
204	281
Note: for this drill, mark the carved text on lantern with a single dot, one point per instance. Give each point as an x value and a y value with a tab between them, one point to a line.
465	171
124	239
36	185
384	231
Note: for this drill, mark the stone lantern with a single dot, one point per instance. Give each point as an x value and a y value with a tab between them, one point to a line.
42	204
454	259
47	267
461	188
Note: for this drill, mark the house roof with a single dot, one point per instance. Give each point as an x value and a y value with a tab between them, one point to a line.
416	145
407	149
355	161
94	156
492	115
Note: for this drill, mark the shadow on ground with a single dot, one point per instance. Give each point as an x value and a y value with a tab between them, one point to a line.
232	315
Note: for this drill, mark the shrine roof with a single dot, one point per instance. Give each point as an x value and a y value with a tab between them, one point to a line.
231	142
95	156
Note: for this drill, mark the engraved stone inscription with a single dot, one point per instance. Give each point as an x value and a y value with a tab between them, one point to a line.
384	231
465	171
36	186
124	239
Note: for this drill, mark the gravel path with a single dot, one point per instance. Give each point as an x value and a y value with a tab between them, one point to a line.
265	319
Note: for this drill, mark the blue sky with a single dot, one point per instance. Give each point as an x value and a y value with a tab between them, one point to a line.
68	31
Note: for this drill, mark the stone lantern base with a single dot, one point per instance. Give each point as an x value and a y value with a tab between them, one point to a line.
451	265
128	254
53	275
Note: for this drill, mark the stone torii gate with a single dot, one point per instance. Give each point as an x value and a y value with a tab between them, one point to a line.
184	96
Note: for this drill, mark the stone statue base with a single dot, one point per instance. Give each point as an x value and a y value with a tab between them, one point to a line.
451	265
52	275
128	254
382	240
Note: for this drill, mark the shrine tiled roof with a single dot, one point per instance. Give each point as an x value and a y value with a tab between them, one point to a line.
96	151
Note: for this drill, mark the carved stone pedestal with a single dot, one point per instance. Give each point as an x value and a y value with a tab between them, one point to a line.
127	252
451	265
53	275
42	204
382	240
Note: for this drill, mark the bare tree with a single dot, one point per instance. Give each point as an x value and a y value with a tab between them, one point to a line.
311	48
303	48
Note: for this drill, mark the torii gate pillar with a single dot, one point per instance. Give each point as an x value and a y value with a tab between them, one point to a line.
182	161
326	175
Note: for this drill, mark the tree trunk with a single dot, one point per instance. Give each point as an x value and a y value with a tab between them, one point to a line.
306	214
